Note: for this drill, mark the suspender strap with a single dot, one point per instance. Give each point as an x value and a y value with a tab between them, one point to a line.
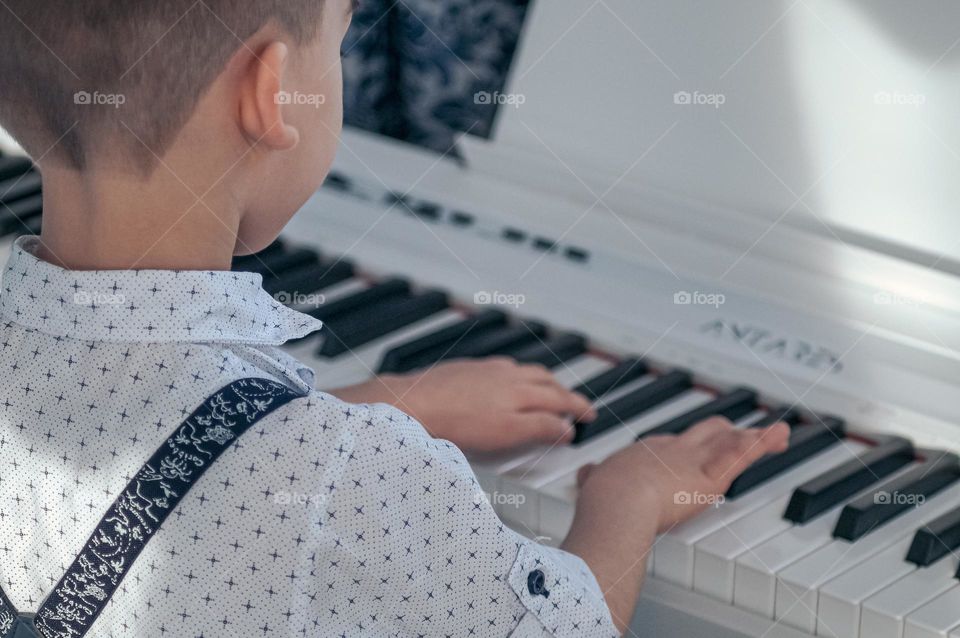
8	615
142	507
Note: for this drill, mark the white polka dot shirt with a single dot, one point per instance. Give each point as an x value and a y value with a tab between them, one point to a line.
325	519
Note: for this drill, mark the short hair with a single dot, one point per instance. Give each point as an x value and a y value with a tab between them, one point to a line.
76	73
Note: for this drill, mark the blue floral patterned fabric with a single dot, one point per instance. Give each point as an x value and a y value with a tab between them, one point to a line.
418	70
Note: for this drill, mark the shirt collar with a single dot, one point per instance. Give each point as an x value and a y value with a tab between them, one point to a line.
144	305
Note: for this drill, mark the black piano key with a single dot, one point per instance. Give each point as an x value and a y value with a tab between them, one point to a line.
13	215
276	264
787	414
935	540
29	226
626	371
896	495
14	166
246	263
338	181
493	342
361	299
396	198
552	351
14	188
367	324
805	441
632	404
308	280
429	348
733	405
460	218
837	485
426	210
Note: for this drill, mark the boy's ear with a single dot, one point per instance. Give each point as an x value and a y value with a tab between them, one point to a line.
262	99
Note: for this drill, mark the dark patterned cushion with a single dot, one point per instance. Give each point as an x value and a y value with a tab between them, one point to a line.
414	69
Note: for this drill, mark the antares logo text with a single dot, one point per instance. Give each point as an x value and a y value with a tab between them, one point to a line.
767	343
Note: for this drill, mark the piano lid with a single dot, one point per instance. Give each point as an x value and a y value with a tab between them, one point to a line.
841	117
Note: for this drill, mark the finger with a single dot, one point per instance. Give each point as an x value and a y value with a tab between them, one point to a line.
542	428
706	430
498	362
738	450
535	373
775	438
556	399
587	413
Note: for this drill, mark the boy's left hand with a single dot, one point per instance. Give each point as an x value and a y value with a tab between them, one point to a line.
483	406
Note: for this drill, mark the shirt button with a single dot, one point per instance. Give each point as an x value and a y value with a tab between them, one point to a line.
536	581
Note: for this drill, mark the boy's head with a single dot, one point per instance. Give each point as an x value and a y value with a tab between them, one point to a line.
134	87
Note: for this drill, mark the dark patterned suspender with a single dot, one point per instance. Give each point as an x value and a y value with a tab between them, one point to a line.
142	507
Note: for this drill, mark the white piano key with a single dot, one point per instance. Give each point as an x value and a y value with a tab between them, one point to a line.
360	364
716	553
755	577
715	556
6	247
674	553
580	370
936	618
798	585
838	613
560	464
883	615
750	419
755	574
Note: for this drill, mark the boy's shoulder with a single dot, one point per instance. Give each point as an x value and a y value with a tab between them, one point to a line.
373	439
373	424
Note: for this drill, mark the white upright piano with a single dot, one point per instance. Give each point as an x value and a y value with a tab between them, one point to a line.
687	208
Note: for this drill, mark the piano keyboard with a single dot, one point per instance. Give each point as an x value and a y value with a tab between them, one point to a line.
816	537
813	538
836	536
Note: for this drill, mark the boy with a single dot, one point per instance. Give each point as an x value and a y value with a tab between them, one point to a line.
327	518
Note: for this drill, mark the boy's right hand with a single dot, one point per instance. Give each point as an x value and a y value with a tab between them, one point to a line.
650	487
683	474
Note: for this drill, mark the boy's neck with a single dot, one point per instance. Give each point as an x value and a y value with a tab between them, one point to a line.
119	222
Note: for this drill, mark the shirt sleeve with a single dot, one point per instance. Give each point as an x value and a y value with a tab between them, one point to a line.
428	555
